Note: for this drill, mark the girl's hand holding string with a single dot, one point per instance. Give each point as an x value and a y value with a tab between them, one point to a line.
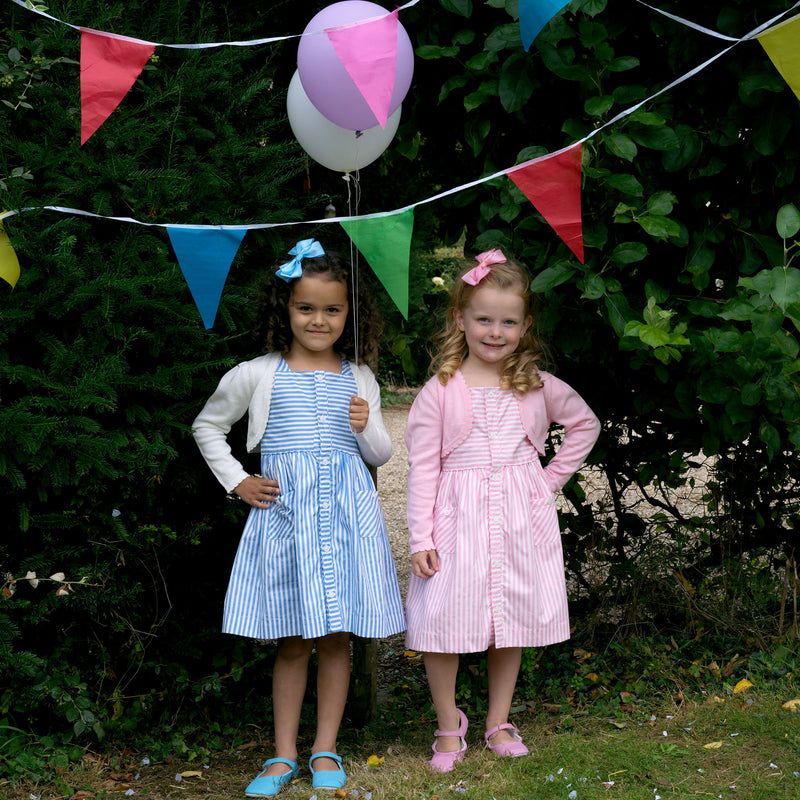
257	491
359	413
425	563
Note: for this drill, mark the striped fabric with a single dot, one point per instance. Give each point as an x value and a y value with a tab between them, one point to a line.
318	560
501	570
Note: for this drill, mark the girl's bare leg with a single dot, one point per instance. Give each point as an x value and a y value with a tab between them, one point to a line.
442	669
333	682
289	678
503	669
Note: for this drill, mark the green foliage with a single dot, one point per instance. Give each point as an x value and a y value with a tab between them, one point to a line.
681	328
103	364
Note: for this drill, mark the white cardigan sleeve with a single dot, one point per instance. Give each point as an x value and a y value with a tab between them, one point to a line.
227	405
374	442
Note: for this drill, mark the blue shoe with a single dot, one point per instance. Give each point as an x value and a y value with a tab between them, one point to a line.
331	779
269	785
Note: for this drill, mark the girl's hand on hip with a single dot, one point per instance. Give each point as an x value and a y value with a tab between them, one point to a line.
425	563
359	413
258	492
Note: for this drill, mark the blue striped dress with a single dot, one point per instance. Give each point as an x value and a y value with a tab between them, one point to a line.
318	560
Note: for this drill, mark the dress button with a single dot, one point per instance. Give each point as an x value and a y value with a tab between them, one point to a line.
331	593
326	548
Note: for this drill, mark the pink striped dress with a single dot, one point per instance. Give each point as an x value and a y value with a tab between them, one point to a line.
495	529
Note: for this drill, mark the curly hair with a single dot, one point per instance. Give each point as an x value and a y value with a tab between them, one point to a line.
520	369
272	331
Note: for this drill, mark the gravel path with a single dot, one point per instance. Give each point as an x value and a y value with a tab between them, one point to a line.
392	491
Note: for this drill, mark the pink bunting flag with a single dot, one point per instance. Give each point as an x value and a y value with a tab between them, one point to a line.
368	51
553	184
109	66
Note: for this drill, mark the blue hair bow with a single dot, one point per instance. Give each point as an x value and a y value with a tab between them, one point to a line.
307	248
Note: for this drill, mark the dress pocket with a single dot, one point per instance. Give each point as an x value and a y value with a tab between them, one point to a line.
369	517
279	518
544	521
444	529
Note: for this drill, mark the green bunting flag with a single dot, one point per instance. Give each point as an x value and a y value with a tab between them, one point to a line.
385	242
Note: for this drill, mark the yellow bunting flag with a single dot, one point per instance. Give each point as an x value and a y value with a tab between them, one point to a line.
782	43
9	264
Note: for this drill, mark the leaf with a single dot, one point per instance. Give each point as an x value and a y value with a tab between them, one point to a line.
659	227
192	774
597	106
629	252
32	579
623	63
551	277
626	183
515	87
661	203
594	287
770	436
621	145
58	576
742	686
713	745
788	221
375	761
792	705
462	7
431	51
456	82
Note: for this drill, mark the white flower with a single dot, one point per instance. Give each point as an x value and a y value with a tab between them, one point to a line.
438	281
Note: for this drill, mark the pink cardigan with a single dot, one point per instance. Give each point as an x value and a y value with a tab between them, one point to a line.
441	418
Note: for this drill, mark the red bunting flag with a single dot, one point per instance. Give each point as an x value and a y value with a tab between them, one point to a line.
368	51
553	184
109	66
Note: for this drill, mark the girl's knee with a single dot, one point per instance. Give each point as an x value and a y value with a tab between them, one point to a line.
333	643
295	648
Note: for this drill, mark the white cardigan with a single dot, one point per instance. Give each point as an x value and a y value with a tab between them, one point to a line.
249	385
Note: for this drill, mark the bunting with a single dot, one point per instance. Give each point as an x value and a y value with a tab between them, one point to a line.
385	242
782	44
109	66
368	51
205	256
9	263
104	55
534	15
553	185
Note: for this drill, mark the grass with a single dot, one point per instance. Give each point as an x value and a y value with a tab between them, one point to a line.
744	745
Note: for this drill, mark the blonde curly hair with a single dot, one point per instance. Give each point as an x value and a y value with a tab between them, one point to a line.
520	370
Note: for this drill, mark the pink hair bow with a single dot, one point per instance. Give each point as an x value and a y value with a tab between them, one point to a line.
485	261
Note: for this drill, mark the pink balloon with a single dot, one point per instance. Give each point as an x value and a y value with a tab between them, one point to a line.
325	80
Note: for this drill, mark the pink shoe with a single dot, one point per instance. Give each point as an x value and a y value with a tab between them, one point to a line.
506	749
445	761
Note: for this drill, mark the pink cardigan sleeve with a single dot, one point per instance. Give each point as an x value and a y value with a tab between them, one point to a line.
566	407
423	438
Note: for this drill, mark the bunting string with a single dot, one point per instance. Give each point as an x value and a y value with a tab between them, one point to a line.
193	46
273	39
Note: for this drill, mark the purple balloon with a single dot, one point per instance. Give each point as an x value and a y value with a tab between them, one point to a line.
325	80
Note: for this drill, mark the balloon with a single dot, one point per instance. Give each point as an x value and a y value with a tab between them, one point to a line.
336	148
328	84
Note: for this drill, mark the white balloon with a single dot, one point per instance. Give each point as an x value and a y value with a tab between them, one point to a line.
336	148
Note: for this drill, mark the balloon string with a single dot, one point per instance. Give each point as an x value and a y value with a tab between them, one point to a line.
353	200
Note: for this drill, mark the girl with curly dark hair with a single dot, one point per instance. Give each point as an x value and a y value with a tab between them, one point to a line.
314	563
